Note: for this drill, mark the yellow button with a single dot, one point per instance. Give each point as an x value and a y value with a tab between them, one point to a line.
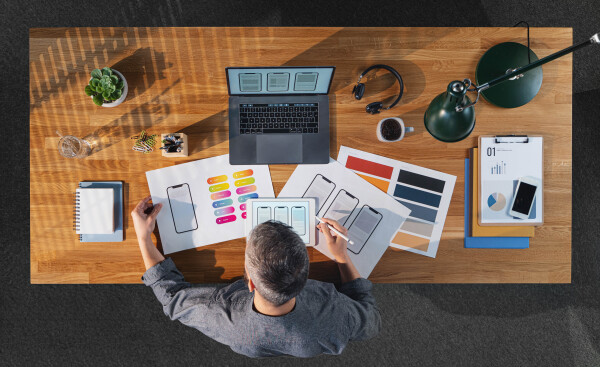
219	187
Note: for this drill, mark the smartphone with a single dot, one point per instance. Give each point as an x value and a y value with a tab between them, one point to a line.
522	201
320	188
263	214
299	220
362	228
281	214
342	207
182	208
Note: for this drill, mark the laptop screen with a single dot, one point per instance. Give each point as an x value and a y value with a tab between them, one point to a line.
279	80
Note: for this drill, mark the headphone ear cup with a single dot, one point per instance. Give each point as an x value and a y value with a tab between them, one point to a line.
373	108
358	90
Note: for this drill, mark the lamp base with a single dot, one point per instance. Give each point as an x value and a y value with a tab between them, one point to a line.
497	61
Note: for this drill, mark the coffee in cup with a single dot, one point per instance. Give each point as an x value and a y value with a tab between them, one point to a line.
392	129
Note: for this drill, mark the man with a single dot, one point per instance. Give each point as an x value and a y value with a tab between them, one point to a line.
275	310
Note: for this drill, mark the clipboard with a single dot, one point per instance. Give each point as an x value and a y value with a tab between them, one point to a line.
503	160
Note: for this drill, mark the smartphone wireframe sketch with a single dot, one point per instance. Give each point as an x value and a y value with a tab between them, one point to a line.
263	214
281	214
362	228
299	220
182	208
342	207
320	188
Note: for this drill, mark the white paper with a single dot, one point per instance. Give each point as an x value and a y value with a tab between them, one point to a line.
96	211
422	231
208	207
502	165
393	214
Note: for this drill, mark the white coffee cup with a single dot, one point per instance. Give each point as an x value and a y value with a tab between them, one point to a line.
403	129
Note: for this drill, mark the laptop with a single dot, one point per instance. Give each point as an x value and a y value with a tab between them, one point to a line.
279	115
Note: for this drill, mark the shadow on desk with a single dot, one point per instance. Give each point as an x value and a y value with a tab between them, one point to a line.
208	132
142	69
131	123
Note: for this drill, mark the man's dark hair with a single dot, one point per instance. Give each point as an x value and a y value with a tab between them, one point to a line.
277	261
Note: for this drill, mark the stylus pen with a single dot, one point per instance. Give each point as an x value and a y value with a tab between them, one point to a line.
335	231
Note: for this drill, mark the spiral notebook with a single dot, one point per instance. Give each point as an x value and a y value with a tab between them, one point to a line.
109	211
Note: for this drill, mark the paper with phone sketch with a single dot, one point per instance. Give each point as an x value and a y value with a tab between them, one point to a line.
204	201
371	217
500	165
427	193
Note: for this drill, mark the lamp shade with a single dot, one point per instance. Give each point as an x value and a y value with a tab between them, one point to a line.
443	121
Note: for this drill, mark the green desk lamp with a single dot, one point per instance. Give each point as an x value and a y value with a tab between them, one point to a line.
450	117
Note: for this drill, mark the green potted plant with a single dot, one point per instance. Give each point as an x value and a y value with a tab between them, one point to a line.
107	87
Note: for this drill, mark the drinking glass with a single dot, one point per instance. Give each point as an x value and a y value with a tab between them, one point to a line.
73	147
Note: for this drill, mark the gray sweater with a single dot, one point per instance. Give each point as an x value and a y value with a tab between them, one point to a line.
323	320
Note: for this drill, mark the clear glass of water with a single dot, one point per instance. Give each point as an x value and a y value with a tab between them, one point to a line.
73	147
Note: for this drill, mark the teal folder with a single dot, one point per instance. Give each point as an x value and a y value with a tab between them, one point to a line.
486	242
118	234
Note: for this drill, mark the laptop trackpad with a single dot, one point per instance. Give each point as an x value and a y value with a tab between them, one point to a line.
279	148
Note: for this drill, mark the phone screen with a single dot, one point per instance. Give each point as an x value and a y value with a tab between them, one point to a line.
319	189
299	220
342	207
281	214
263	214
182	208
362	228
524	198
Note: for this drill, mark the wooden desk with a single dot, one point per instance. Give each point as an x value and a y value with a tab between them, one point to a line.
177	83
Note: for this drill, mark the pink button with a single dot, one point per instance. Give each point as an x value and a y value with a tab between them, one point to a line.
245	189
226	219
244	215
243	207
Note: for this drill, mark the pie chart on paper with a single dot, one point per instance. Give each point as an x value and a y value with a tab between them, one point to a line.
496	201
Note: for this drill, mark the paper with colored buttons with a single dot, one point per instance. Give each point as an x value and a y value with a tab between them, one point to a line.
204	201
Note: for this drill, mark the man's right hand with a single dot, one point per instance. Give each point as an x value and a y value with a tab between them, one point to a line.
336	244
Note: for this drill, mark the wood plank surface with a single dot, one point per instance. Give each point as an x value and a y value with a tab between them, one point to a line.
177	83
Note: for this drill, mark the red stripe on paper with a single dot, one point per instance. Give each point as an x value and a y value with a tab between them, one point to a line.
369	167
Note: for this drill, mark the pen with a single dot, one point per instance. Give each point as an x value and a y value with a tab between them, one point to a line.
335	231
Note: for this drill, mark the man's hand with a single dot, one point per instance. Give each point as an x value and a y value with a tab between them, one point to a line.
144	218
336	244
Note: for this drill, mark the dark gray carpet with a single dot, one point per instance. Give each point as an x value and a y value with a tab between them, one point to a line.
424	325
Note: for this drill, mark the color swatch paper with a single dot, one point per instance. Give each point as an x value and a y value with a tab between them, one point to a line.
203	200
425	192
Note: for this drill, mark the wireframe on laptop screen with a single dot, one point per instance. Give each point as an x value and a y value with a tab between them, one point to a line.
279	80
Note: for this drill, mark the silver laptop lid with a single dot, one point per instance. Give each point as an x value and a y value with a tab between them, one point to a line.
281	80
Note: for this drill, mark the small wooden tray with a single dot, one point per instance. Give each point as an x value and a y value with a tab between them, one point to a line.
183	153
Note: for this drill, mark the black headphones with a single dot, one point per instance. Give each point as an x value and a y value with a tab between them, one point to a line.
359	89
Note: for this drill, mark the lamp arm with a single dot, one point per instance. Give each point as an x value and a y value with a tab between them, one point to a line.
595	39
515	73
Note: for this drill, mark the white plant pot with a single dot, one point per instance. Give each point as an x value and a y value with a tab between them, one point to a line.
123	94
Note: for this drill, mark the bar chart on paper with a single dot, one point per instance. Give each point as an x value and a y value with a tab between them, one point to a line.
425	192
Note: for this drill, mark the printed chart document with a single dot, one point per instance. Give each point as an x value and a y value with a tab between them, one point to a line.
425	192
371	216
204	201
503	161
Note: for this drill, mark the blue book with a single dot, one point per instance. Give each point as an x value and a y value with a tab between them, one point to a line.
486	242
117	235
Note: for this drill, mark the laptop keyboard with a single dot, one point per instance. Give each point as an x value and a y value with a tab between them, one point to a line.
280	118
